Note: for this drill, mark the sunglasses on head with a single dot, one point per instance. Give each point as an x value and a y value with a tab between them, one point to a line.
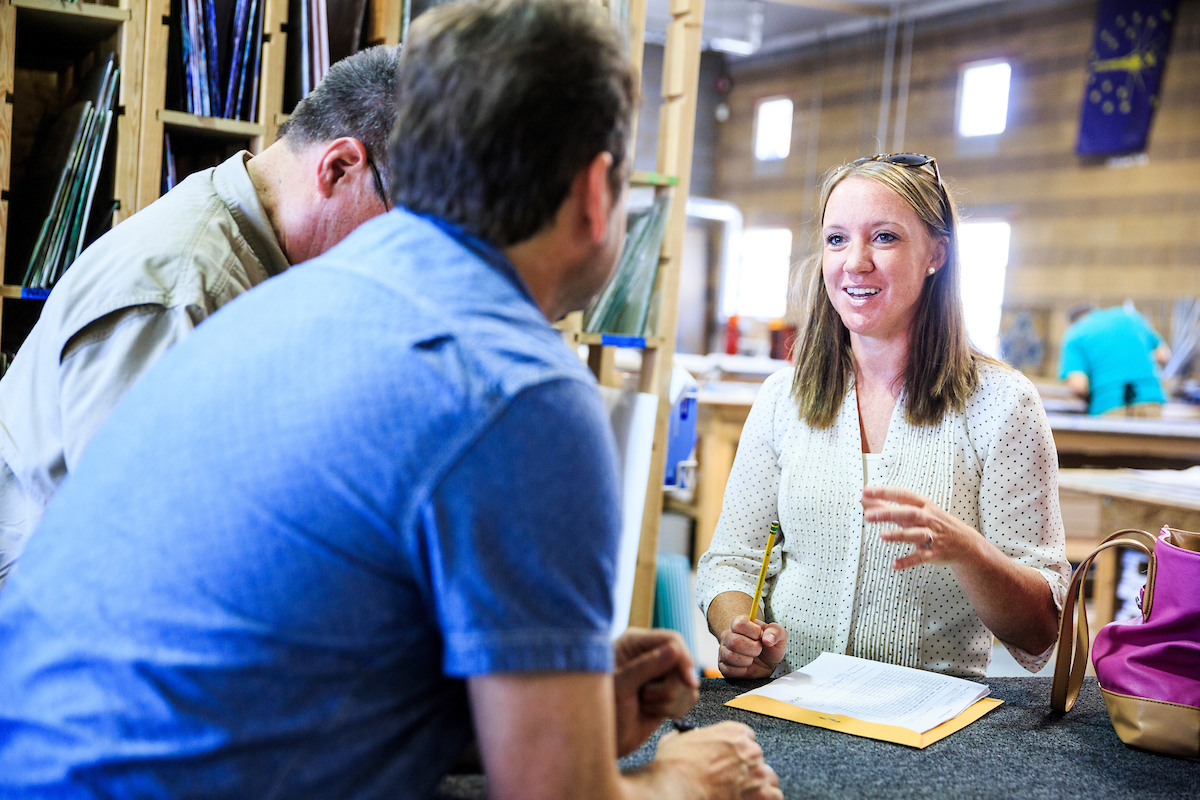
903	160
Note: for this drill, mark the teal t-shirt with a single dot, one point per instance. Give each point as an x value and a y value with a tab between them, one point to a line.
1113	348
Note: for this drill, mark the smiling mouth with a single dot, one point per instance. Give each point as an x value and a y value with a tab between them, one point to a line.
861	294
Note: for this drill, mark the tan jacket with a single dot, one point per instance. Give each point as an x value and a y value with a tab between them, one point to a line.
136	291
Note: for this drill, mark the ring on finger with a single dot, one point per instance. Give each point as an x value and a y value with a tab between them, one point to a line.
928	543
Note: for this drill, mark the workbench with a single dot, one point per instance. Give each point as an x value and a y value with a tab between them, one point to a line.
1022	749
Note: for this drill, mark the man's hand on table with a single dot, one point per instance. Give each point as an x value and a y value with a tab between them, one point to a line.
654	679
549	735
723	759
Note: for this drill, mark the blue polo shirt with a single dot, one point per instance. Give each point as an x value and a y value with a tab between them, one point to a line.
1113	347
372	477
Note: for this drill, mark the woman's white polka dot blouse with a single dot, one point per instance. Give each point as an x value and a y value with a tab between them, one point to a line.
830	579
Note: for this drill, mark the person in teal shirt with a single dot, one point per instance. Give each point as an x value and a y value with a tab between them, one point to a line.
1109	357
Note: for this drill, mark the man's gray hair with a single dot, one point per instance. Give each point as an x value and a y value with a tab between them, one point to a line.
356	98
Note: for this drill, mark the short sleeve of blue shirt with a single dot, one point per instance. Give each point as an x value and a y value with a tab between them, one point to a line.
520	538
1073	358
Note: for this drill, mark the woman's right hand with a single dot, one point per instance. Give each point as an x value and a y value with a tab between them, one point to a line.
750	649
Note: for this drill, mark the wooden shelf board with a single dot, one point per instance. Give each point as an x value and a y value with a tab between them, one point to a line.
672	503
653	179
215	126
65	12
619	340
23	292
52	34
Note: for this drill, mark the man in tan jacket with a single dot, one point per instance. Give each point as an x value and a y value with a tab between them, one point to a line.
146	284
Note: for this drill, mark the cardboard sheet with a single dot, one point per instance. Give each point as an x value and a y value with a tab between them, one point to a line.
878	700
855	727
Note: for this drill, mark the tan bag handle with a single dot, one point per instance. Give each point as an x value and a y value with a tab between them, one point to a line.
1071	662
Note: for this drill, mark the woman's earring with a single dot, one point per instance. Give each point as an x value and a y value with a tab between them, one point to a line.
931	271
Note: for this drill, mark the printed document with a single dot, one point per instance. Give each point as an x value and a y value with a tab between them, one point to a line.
841	685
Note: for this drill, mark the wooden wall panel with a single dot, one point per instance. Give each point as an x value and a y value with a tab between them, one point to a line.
1082	230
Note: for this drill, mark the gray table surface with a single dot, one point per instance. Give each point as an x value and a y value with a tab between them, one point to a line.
1021	750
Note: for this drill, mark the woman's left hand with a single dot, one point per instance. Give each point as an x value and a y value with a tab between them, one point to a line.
937	536
1012	600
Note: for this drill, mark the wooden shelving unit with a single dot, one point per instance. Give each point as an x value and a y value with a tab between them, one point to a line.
52	36
677	121
676	129
47	34
383	21
158	119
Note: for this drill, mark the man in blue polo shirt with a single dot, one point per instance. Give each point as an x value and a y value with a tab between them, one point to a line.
370	508
1109	357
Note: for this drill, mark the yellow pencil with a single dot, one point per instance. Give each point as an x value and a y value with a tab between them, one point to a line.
762	573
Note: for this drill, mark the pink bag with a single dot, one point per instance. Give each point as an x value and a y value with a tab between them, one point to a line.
1148	666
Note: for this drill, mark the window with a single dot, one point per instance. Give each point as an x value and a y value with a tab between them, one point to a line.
758	288
983	257
983	98
773	129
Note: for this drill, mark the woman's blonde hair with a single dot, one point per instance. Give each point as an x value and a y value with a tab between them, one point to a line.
941	371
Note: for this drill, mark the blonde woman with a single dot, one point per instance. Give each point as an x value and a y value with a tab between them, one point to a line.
914	479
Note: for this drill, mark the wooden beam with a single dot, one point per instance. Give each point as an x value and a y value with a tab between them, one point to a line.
602	362
385	19
8	31
637	51
130	97
857	9
154	98
270	93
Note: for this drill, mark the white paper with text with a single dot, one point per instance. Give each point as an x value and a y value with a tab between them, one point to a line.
875	692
